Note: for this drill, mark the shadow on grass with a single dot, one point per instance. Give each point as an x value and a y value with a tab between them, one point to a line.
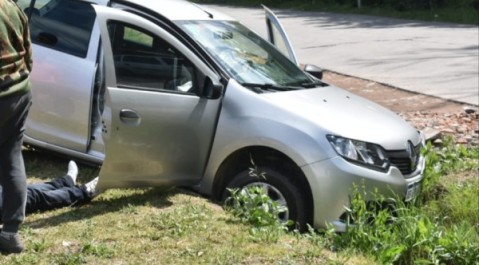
155	197
44	165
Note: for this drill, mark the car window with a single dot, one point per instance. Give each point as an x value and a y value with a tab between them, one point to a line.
65	26
145	61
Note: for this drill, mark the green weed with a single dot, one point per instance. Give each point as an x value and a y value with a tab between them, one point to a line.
404	234
252	205
441	228
96	249
443	160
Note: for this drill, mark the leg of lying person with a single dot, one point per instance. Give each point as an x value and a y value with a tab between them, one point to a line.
69	180
42	200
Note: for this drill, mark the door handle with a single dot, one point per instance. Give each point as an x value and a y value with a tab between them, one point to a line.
130	117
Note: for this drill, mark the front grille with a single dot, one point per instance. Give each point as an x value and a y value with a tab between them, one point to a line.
404	161
403	164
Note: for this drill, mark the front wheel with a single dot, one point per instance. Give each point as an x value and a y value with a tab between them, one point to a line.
279	189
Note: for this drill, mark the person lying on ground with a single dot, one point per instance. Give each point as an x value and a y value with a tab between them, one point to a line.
58	193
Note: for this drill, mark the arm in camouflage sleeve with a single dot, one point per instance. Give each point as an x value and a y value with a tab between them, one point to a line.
28	46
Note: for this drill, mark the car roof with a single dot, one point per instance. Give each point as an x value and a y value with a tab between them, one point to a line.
178	9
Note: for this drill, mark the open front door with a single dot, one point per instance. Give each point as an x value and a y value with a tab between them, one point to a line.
157	130
277	35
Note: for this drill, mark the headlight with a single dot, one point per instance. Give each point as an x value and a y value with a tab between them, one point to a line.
361	153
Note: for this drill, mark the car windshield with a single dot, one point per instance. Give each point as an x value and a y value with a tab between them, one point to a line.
246	57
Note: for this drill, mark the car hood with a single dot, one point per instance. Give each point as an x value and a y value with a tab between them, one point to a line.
342	113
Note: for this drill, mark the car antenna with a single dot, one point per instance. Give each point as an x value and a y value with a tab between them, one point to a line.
209	14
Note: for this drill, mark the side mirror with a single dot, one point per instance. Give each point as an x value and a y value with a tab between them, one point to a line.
210	90
314	71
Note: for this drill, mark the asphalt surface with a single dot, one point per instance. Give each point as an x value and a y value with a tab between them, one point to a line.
437	59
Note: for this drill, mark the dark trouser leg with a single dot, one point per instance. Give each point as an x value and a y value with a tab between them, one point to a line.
40	199
57	183
14	110
57	193
1	204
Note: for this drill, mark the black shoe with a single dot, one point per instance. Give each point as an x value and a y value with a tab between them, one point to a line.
11	243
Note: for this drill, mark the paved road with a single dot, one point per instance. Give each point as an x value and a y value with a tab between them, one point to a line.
436	59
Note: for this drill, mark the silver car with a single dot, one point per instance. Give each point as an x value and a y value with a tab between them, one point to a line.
222	97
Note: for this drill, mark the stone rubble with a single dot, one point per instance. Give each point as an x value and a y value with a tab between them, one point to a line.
463	126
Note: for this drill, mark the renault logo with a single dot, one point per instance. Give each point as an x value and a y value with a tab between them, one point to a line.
411	151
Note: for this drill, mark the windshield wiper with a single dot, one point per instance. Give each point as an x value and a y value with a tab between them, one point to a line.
269	86
312	84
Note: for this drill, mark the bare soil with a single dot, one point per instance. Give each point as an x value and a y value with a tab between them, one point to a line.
434	116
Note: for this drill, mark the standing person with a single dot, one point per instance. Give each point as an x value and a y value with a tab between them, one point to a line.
15	101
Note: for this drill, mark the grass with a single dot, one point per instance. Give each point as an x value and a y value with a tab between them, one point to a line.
176	226
463	13
440	227
152	226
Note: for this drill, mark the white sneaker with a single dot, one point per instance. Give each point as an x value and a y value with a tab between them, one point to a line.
72	171
90	187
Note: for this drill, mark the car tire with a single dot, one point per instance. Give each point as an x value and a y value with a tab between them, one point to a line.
279	188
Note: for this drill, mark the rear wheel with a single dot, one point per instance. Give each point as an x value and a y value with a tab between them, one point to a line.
279	188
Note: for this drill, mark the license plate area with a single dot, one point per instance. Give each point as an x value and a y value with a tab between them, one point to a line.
413	190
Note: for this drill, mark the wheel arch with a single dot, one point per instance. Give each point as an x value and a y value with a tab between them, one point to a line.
267	156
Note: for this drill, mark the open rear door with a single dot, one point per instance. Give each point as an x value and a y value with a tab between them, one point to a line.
277	35
65	47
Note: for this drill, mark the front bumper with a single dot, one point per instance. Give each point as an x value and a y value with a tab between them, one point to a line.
333	180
